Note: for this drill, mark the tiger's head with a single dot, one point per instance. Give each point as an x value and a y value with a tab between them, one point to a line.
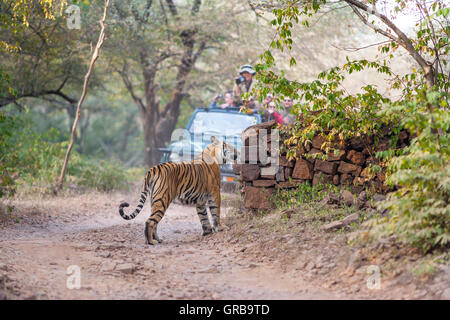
220	151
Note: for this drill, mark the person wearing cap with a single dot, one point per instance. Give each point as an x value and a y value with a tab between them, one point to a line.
243	83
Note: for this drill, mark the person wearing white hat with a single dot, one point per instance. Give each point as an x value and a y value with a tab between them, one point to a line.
243	83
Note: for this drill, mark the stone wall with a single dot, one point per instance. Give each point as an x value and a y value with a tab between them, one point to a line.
349	168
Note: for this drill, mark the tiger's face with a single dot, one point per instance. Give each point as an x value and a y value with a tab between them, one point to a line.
222	152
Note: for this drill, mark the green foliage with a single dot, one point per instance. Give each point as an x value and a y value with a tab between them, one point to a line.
303	193
420	208
341	115
30	162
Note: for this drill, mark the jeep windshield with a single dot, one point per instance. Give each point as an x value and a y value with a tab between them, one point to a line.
221	123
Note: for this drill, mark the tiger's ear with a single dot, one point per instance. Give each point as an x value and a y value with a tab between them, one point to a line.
214	140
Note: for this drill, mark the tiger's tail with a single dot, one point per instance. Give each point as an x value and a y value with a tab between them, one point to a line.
138	209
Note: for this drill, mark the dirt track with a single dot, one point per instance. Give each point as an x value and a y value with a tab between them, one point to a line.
115	263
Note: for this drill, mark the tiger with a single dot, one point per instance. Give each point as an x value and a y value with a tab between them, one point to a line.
195	182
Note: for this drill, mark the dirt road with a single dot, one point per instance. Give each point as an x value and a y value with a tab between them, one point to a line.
51	239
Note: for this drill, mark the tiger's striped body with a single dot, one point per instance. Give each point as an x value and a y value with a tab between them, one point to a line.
196	182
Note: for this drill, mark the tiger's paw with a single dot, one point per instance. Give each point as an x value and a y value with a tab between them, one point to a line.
206	232
152	242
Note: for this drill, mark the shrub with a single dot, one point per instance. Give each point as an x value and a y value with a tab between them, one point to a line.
31	162
420	210
303	193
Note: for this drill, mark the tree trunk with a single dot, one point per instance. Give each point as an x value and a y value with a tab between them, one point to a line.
159	124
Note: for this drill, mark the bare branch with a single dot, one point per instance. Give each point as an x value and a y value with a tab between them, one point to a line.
361	48
100	41
128	84
402	39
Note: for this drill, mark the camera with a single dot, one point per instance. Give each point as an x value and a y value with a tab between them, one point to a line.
240	80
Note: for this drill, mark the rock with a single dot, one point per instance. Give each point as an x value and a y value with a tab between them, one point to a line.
341	223
287	173
354	262
356	189
357	143
253	131
362	196
269	172
361	200
336	179
127	268
336	157
330	198
325	166
365	173
345	167
108	266
252	155
333	225
356	157
317	142
378	197
381	175
106	254
350	219
311	154
322	178
292	241
250	172
289	184
264	183
302	170
257	198
346	179
285	162
358	181
280	175
347	197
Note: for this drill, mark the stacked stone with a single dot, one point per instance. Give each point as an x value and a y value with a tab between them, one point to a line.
347	168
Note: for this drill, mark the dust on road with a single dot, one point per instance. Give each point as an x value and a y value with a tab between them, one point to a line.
47	237
115	263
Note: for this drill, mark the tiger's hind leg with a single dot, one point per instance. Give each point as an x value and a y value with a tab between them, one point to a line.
155	234
151	225
203	216
214	208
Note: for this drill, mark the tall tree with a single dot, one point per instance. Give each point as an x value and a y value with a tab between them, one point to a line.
155	47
